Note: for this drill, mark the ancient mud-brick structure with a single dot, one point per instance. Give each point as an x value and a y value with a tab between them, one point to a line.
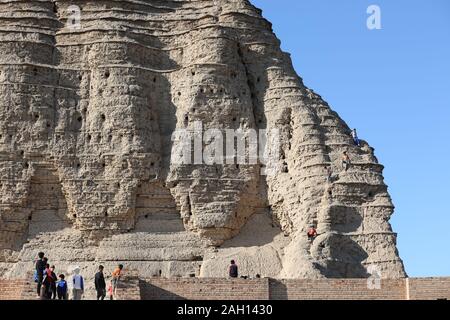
87	116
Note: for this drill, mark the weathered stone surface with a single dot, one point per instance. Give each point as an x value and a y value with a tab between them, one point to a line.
86	123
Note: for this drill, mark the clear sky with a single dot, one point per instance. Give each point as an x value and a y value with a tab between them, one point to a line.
393	85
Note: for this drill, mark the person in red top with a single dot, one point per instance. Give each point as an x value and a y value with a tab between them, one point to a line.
312	233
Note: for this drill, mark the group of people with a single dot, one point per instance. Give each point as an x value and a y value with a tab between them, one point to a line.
50	287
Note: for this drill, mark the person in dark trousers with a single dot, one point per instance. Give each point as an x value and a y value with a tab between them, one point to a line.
46	291
61	288
233	270
53	283
40	268
100	284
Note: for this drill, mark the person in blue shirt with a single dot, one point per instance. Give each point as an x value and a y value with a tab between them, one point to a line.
61	288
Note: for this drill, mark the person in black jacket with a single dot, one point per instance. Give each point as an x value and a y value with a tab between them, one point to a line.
53	283
40	268
233	270
100	284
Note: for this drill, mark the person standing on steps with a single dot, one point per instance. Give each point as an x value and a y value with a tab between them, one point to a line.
312	233
115	277
233	270
345	161
39	271
100	284
47	283
355	138
78	284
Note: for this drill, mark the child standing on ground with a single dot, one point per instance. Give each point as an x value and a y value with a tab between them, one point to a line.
61	288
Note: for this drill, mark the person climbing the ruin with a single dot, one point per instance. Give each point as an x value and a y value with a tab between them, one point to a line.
345	161
233	270
355	138
53	283
312	233
39	271
100	284
47	280
61	288
329	174
77	284
115	277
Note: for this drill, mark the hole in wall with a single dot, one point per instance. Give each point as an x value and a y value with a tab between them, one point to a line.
107	74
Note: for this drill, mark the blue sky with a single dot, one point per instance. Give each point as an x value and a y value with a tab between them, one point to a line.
393	85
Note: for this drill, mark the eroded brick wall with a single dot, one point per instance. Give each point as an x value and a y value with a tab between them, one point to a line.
133	288
429	288
17	290
336	289
205	289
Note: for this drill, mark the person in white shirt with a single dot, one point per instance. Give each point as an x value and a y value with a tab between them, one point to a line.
355	138
77	284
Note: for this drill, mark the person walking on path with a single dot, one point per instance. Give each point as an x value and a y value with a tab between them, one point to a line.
78	284
39	272
355	138
233	270
100	284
